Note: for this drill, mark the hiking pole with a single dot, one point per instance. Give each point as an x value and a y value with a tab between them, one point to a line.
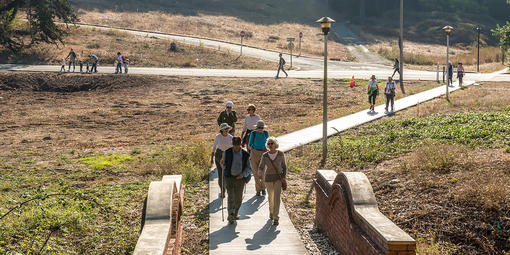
221	190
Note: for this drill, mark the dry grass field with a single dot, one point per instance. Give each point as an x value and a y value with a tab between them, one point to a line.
271	36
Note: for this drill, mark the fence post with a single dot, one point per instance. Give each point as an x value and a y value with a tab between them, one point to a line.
443	74
437	75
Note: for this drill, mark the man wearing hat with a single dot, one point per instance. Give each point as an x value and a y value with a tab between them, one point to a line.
228	116
236	168
257	147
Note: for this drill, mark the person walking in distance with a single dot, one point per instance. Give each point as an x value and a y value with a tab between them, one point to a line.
396	67
250	124
228	116
257	147
389	91
450	74
126	65
373	91
120	61
281	64
93	60
222	142
236	170
63	65
460	73
72	60
273	170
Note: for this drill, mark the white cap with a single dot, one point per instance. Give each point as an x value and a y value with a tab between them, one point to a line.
229	104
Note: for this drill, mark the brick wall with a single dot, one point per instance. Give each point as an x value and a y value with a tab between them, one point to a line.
347	212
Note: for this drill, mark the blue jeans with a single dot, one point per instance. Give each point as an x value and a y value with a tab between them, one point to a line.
283	70
119	68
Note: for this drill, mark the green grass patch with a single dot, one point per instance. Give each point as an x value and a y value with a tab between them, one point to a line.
102	162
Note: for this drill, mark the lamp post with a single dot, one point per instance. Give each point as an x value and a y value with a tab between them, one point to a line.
478	51
325	25
447	30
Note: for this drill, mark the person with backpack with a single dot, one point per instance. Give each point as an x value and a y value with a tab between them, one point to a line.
120	61
373	91
228	116
250	123
273	170
72	60
281	64
222	142
93	60
237	172
257	147
389	91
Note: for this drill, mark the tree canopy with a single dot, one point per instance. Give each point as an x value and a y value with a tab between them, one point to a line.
40	23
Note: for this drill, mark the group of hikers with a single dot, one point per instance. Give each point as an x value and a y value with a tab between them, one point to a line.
91	62
255	153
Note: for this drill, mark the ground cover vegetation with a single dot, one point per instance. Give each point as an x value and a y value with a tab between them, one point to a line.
79	151
439	171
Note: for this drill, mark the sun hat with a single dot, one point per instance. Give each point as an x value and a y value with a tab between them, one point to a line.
261	124
229	104
224	126
251	106
236	140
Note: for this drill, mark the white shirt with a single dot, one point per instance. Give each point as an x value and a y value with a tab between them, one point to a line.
222	142
272	156
390	87
119	58
250	122
372	84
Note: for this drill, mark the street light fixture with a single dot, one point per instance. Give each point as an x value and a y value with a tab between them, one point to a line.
325	26
478	51
448	31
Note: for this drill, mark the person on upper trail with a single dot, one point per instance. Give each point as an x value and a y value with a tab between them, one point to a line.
63	65
273	170
126	64
236	173
396	67
120	61
281	64
460	73
389	91
450	74
373	91
94	60
222	142
250	124
228	116
257	147
72	60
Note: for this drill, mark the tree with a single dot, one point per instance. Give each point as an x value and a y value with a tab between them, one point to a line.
40	23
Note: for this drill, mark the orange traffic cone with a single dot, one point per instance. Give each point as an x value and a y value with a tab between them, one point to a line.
353	82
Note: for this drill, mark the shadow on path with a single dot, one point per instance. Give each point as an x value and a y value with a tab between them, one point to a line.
224	235
251	206
264	236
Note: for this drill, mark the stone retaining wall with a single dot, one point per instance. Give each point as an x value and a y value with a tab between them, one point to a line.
346	210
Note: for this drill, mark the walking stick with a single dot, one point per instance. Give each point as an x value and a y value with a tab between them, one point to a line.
221	190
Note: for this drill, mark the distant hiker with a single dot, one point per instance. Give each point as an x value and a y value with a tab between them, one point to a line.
87	63
228	116
281	65
460	73
373	91
236	170
72	60
222	142
63	65
120	61
389	90
396	67
450	74
94	60
257	147
173	47
126	65
250	123
81	66
273	170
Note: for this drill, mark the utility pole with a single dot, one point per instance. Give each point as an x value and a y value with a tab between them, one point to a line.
478	51
401	45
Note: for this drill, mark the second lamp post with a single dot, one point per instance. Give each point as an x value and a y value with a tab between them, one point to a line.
325	25
447	30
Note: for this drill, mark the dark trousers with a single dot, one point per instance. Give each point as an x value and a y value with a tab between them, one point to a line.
74	65
395	71
390	97
235	189
119	68
283	70
217	158
94	68
371	98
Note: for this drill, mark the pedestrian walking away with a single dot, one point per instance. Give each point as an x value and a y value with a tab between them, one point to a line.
72	60
389	91
236	174
281	64
460	73
250	124
396	67
257	147
118	68
273	170
222	142
94	60
126	65
228	116
63	65
373	91
450	74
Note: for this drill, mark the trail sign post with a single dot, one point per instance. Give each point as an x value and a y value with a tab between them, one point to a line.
300	36
291	47
242	36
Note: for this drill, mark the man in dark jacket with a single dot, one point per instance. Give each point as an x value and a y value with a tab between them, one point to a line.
236	168
281	64
228	116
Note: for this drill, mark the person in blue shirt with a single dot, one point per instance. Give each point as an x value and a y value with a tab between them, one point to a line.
257	147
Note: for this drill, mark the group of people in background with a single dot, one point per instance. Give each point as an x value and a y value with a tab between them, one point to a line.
255	153
91	63
389	91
